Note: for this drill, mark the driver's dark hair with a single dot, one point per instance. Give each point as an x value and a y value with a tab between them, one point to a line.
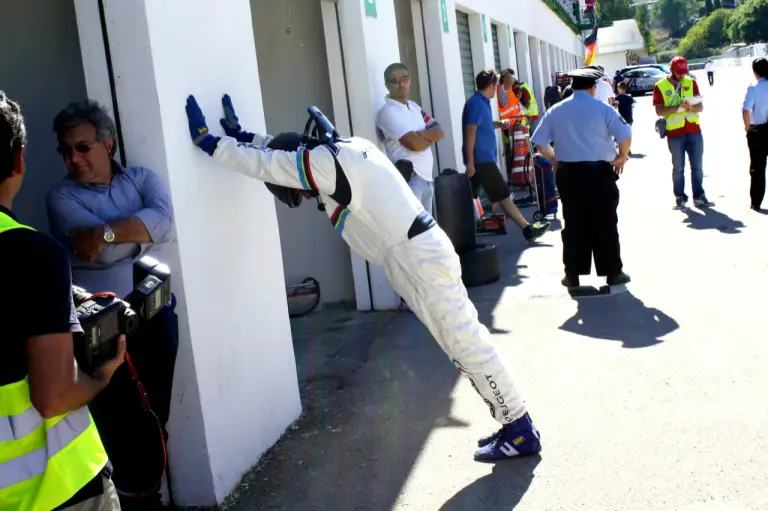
13	134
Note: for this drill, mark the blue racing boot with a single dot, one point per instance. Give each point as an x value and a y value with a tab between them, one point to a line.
519	438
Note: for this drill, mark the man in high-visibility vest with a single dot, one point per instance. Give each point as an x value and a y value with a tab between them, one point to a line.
676	99
51	456
524	94
508	96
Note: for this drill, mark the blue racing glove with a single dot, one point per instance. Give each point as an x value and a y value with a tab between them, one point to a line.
231	124
198	130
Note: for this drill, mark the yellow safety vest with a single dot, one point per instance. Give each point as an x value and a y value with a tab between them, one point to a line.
43	462
533	107
677	120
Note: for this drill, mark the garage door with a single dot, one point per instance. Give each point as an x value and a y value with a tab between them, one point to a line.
465	51
496	54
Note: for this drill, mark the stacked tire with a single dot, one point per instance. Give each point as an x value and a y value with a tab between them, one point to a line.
455	211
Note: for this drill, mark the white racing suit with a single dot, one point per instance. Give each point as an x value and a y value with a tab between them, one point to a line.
370	205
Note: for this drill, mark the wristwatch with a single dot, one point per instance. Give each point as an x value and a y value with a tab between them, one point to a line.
109	236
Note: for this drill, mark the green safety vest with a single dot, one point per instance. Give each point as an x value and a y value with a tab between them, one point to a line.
43	462
677	120
533	107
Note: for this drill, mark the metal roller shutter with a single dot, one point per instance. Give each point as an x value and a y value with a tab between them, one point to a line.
465	52
496	54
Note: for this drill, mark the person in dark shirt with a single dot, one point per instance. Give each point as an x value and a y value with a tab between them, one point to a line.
39	319
626	103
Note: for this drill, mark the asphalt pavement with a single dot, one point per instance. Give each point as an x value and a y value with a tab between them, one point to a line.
654	398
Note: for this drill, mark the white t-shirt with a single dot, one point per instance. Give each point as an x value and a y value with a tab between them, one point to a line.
604	91
709	66
395	120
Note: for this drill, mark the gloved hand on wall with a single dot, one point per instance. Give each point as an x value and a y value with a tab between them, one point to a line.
231	124
198	129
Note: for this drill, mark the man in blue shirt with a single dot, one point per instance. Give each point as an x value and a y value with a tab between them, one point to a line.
480	152
585	132
755	115
108	216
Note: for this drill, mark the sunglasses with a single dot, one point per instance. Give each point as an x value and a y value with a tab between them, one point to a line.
79	148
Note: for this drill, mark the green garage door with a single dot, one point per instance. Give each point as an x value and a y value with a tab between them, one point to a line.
465	51
496	54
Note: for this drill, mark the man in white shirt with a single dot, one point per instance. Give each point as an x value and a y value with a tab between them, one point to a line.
709	67
604	91
408	133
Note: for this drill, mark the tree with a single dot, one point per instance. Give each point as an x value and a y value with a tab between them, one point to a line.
676	15
614	10
643	19
749	22
707	35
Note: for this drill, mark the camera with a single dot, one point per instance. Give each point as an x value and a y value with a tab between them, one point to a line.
105	316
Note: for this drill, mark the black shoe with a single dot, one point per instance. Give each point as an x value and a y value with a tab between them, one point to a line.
534	231
570	281
681	201
755	208
618	279
702	202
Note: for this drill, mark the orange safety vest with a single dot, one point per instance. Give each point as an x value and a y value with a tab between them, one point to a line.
509	105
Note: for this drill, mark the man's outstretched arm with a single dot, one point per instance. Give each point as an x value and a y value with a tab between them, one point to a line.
303	169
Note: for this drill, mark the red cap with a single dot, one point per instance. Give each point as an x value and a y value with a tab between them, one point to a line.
679	66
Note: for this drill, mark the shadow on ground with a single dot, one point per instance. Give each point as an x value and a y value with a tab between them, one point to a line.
373	387
503	488
709	218
620	317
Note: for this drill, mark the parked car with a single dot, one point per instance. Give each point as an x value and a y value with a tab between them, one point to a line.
663	67
641	80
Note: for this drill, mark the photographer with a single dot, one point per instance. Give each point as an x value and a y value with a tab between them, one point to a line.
52	456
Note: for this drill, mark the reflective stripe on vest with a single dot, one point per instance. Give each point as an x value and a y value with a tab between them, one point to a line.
677	120
509	106
43	462
533	107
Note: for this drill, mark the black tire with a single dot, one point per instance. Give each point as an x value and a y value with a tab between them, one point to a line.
537	216
455	209
480	265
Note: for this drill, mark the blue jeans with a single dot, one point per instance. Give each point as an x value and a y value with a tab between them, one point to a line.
693	144
423	190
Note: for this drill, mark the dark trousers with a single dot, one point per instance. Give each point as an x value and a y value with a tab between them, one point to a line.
757	140
590	198
131	436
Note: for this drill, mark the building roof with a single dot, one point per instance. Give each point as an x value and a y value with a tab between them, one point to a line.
624	35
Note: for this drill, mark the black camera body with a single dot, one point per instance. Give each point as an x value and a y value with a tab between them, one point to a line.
105	316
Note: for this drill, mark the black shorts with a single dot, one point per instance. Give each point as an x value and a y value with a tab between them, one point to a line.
488	176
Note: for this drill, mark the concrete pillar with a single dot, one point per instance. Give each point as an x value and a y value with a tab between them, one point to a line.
482	43
367	44
534	47
507	53
235	387
522	51
545	67
439	18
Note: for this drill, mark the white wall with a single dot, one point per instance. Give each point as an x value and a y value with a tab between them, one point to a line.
236	357
612	61
310	246
530	16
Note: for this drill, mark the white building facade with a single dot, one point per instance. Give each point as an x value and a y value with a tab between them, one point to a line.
234	251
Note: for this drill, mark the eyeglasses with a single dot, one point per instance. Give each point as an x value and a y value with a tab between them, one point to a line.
79	148
402	79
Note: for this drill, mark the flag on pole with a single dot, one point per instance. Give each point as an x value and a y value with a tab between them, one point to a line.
591	43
